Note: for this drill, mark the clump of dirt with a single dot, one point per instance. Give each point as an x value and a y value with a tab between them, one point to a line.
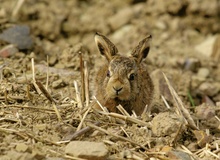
43	99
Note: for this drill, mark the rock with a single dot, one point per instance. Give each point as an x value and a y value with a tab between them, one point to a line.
196	81
11	154
41	127
21	147
204	8
58	84
87	150
52	60
121	18
203	73
18	35
209	88
179	155
202	138
161	25
8	51
205	47
204	111
122	32
166	124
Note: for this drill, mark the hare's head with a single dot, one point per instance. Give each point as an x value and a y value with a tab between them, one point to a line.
123	75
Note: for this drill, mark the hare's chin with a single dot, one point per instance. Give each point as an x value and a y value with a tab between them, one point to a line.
119	97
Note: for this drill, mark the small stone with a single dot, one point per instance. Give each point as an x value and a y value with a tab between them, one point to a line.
58	84
121	18
205	47
193	147
202	138
53	60
165	124
161	25
21	147
87	150
41	127
8	51
203	72
179	155
209	88
205	112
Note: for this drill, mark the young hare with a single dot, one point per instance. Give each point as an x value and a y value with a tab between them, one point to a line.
123	80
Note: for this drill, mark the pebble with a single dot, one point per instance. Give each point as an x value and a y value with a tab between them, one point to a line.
165	124
41	127
58	84
87	150
206	46
205	112
8	51
179	155
21	147
209	88
203	72
121	18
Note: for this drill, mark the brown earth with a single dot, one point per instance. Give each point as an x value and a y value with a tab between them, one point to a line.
185	46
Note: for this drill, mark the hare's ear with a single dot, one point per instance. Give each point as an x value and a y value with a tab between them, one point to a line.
105	46
141	51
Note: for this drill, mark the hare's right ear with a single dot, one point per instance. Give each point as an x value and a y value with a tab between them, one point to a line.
105	46
141	51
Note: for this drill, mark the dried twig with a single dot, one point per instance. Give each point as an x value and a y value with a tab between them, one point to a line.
86	75
17	7
127	118
179	104
217	118
78	133
165	102
82	120
28	107
57	112
33	77
144	113
25	134
114	135
104	109
122	110
47	81
45	92
78	97
6	96
82	77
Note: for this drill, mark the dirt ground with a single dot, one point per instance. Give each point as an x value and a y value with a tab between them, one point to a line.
43	46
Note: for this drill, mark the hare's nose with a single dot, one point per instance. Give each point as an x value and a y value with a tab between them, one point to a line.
117	89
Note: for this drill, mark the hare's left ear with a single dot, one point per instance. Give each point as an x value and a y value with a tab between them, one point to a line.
141	51
105	46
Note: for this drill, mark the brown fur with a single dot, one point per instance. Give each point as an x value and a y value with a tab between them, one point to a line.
124	80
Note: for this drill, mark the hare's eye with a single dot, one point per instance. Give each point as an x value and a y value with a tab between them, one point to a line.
108	73
131	77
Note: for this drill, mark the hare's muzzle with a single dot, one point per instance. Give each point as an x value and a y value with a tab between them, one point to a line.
117	90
